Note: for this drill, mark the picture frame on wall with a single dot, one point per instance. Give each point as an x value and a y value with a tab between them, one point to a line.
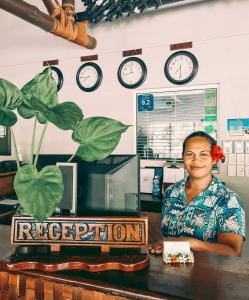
247	146
239	146
228	146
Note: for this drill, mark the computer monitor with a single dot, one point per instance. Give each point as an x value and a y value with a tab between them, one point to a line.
108	187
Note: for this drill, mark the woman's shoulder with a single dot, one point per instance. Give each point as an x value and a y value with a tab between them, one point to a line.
226	196
179	183
175	187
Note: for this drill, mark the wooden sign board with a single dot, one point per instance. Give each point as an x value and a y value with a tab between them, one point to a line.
50	62
106	232
180	46
132	52
89	57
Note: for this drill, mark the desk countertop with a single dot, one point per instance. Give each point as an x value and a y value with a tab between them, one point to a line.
210	277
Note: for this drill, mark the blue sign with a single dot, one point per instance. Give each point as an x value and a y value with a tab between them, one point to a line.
145	102
238	126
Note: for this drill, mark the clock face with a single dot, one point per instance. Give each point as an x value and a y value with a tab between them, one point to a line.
181	67
132	72
89	77
58	77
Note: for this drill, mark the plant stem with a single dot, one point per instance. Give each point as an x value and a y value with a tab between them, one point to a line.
40	143
15	148
32	142
71	157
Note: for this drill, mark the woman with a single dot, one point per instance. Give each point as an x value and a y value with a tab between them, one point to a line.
200	209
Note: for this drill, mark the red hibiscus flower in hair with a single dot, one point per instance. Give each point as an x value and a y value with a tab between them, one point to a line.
217	153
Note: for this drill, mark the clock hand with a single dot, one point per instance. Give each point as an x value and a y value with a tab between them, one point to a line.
177	70
127	73
85	78
180	72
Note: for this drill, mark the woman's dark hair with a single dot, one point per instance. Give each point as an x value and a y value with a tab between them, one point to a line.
203	134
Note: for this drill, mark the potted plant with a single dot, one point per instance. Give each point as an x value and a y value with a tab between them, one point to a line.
40	192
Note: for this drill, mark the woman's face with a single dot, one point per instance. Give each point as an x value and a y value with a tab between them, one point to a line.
197	157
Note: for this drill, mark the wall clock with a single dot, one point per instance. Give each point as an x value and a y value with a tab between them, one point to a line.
58	77
89	77
132	72
181	67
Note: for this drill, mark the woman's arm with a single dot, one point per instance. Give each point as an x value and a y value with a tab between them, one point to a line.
228	244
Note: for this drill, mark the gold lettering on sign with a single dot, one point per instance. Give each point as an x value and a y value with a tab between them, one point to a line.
109	232
54	231
40	233
80	229
98	228
24	231
132	232
65	235
119	232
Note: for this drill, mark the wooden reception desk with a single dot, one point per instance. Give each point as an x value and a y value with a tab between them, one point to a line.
210	277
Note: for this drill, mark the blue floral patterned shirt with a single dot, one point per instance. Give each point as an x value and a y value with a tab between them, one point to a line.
215	210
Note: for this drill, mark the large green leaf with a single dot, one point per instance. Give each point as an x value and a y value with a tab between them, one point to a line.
10	98
39	192
27	111
98	137
10	95
65	115
42	87
7	118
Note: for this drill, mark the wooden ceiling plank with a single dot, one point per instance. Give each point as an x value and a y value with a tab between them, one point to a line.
58	23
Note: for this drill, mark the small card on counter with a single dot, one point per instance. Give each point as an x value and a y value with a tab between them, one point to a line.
177	252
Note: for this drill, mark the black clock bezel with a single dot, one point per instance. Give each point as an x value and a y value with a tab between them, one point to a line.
143	76
193	73
60	77
99	79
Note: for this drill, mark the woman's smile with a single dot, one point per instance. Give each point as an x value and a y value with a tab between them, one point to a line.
195	167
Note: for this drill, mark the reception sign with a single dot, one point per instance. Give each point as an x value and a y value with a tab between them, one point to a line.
106	232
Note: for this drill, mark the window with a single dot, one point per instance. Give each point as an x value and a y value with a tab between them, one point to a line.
5	141
166	116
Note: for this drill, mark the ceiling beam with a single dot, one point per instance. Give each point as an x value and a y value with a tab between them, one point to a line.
59	23
28	12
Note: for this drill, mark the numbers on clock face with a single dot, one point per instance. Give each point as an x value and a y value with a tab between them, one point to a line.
88	76
131	72
180	67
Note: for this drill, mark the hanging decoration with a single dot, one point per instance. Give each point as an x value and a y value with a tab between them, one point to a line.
108	10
